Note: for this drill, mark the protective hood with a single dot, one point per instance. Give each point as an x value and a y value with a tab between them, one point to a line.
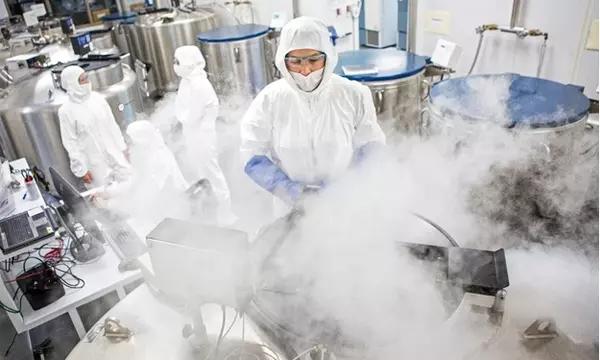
142	133
306	33
69	80
191	62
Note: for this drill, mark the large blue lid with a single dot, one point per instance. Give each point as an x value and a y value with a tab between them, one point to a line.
512	99
233	33
119	17
391	64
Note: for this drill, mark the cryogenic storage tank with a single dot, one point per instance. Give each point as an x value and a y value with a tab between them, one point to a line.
29	124
239	59
117	23
153	40
553	112
543	184
396	81
104	43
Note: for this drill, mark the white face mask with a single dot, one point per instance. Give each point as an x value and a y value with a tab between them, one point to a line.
309	82
82	91
183	70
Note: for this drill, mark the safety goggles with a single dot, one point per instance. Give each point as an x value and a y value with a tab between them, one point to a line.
314	61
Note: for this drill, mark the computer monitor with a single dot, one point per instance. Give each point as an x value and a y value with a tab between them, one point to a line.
74	202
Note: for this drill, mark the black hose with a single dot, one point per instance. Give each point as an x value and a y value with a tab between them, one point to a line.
438	228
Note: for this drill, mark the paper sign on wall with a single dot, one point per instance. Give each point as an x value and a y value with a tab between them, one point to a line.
437	22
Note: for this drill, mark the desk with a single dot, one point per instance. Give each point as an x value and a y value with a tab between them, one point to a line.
101	277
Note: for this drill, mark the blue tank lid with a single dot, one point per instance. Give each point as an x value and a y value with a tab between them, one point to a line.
530	102
233	33
378	64
117	17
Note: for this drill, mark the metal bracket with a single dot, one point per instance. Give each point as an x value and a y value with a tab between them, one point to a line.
496	312
541	329
115	331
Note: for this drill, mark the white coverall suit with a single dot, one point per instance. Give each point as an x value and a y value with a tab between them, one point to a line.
90	133
196	108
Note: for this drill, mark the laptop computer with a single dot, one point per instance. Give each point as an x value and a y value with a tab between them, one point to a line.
24	229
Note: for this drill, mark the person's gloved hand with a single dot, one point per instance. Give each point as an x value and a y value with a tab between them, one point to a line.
271	178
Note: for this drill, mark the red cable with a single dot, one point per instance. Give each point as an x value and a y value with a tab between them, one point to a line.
27	276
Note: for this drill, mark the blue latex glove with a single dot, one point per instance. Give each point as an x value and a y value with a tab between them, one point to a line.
271	178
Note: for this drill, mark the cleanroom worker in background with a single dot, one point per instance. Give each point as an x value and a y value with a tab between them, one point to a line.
89	132
196	109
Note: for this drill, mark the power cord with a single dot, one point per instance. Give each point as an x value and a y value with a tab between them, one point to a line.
12	342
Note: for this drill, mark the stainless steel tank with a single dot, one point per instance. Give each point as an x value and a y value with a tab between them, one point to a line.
153	40
543	184
29	124
117	23
103	42
396	81
239	58
554	114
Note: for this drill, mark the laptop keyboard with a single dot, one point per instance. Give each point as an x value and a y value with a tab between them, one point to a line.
17	229
127	240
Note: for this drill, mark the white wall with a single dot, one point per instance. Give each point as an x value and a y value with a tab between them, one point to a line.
326	10
264	9
565	21
3	10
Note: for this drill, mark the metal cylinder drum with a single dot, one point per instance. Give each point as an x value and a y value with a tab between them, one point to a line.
396	81
239	59
118	23
545	188
153	40
103	42
29	124
553	114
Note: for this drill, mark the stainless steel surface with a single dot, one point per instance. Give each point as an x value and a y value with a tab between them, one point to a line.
29	124
515	15
119	36
154	38
106	76
398	103
239	67
103	41
554	140
100	78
